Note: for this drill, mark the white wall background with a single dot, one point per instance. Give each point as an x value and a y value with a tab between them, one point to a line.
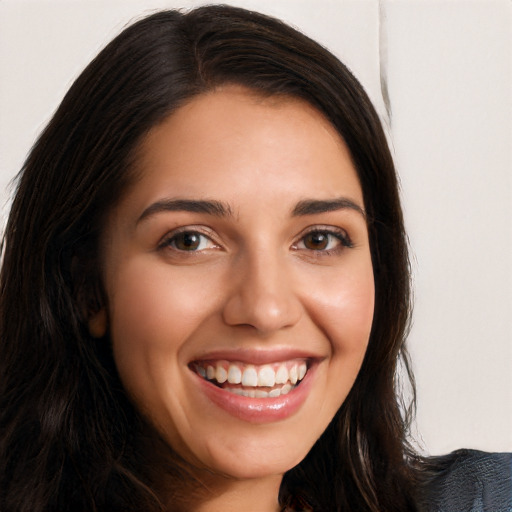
448	67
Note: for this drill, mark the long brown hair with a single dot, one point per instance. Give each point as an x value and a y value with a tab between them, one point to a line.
69	437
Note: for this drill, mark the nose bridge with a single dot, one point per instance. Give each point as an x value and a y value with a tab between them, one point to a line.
263	296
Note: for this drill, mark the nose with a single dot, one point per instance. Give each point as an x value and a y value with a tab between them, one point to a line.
262	295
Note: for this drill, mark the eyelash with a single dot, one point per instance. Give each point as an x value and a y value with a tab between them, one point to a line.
170	239
337	233
340	235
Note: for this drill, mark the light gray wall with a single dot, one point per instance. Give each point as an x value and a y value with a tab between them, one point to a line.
447	68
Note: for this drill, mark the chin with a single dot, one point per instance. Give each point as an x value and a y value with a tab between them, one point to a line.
249	468
255	458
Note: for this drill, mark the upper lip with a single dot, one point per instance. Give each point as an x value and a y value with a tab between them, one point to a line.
257	356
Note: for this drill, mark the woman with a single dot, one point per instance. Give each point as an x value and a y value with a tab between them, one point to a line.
205	284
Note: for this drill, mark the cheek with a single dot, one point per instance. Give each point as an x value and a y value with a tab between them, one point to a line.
153	310
343	308
353	314
148	297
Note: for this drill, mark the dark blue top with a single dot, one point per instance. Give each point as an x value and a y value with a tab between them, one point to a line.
469	481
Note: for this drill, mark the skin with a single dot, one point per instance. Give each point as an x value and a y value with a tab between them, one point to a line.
255	282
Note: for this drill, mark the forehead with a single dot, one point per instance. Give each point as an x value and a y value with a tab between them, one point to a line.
232	143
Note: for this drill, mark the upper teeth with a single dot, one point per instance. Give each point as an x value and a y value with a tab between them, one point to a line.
249	375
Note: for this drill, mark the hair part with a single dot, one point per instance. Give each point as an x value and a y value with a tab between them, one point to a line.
70	437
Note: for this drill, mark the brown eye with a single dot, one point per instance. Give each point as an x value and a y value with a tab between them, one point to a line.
189	241
328	241
317	241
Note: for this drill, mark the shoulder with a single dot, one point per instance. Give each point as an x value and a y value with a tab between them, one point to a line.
468	480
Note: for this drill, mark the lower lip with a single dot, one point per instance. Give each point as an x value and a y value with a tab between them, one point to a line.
258	410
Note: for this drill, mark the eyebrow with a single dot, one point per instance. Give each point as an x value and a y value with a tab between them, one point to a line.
220	209
210	207
315	206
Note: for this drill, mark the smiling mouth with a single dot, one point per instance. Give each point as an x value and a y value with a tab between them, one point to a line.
250	380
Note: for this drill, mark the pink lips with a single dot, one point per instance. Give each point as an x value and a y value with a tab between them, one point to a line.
258	410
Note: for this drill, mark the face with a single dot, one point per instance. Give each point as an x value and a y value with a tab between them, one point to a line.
239	281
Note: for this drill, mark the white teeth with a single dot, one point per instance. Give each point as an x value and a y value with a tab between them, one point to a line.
302	370
266	377
259	393
294	374
282	375
250	377
286	375
221	375
286	389
234	374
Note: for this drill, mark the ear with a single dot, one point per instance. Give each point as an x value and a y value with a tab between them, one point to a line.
97	323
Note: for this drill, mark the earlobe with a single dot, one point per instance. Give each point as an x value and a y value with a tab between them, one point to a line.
98	323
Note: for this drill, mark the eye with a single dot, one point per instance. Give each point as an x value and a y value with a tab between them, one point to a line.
317	241
188	241
323	240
